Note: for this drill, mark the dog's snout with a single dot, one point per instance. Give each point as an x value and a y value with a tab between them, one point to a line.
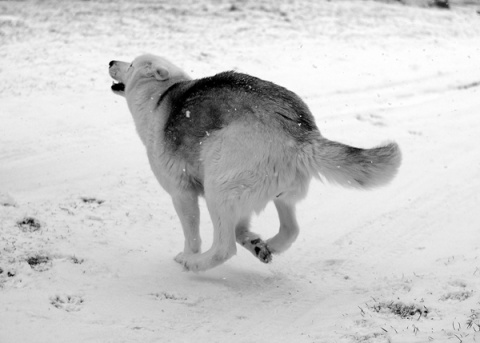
111	64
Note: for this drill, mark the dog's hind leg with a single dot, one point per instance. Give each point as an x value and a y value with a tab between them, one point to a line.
224	215
186	206
251	241
288	232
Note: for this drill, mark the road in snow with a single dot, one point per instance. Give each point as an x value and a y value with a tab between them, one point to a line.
87	236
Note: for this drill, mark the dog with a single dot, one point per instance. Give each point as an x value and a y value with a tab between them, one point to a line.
240	142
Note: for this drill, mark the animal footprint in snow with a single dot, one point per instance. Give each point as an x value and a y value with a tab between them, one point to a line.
92	200
415	133
374	119
460	292
69	303
169	296
7	200
29	224
176	298
457	296
40	263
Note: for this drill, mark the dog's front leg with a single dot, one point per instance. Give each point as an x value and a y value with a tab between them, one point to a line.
223	247
186	205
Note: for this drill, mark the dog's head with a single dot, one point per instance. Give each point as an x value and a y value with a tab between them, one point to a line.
147	68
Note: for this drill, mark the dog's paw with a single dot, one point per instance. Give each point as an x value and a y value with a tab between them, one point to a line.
183	259
260	249
189	265
201	262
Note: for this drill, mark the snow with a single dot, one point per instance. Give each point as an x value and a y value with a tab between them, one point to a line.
87	236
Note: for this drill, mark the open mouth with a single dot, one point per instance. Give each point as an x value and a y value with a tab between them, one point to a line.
118	87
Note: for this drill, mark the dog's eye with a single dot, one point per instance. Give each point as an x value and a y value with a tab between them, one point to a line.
130	66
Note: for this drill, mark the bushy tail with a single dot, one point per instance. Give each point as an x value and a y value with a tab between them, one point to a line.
355	167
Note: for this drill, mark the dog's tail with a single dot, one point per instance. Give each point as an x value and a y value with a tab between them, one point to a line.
354	167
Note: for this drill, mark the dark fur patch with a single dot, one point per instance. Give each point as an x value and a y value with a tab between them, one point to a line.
201	107
167	92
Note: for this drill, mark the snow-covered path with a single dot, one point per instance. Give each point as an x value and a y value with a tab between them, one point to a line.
87	236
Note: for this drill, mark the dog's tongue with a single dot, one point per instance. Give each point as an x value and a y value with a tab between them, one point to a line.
118	87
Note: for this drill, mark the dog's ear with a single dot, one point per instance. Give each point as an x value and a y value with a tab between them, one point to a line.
161	74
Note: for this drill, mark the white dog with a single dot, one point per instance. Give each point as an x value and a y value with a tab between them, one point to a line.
240	142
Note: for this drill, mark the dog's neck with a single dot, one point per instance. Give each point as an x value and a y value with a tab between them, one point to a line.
150	109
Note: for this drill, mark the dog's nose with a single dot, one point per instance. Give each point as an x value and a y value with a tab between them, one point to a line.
111	64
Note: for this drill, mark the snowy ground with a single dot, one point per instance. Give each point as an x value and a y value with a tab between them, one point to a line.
87	236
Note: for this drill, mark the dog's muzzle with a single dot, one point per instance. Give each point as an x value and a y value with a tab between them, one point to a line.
116	86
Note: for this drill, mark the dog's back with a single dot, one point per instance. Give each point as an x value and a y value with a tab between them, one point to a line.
201	107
